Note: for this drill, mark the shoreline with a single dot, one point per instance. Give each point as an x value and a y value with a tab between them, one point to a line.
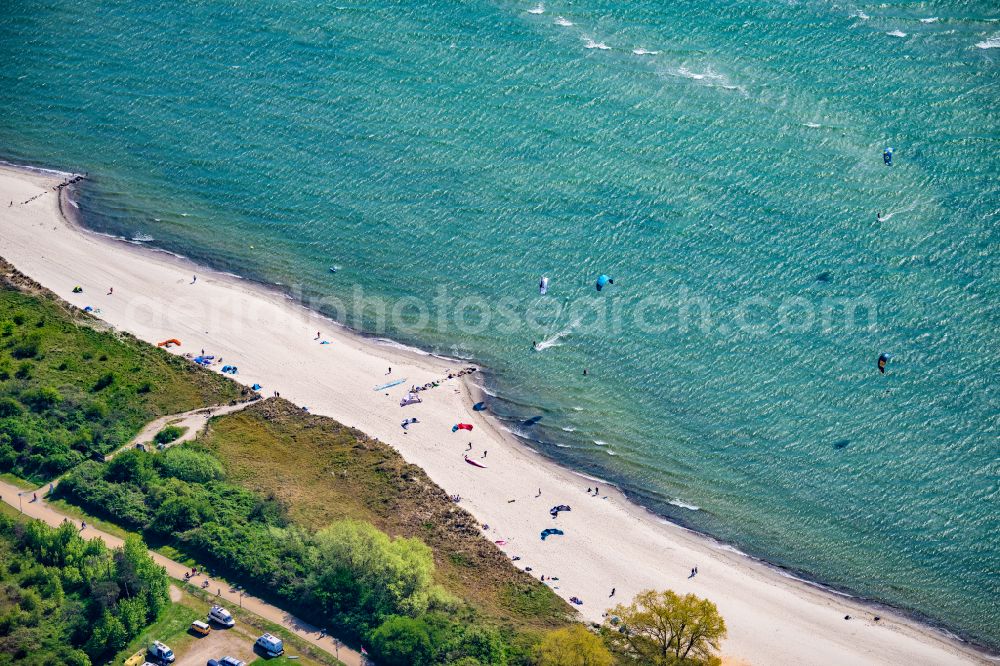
807	614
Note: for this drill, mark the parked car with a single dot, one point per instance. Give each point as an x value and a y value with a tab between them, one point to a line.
221	616
272	646
201	628
226	661
160	652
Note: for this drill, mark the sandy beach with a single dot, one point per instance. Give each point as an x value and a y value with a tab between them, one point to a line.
608	542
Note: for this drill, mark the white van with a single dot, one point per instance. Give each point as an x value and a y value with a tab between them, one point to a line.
220	615
271	645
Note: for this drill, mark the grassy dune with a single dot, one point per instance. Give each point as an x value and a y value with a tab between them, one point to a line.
323	471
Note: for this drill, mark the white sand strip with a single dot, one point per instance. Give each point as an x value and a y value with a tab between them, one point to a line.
608	542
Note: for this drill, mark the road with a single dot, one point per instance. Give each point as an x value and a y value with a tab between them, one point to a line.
226	593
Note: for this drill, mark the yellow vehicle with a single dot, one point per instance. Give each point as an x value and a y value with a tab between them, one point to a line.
138	659
200	628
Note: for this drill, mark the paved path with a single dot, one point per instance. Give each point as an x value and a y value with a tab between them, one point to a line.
41	510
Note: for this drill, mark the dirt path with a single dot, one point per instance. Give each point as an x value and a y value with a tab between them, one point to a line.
226	593
193	422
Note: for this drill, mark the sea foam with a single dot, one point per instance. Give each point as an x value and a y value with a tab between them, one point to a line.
591	44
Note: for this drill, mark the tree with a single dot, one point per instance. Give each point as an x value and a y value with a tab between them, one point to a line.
573	646
395	575
131	467
401	641
666	629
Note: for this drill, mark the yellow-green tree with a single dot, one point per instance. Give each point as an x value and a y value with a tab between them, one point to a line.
666	629
573	646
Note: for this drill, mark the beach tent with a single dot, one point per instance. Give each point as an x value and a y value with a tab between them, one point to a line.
410	399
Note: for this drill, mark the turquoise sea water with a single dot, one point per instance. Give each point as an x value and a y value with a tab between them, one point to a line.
451	154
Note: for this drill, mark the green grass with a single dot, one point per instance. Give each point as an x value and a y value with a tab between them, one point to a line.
70	389
10	511
323	471
77	514
18	481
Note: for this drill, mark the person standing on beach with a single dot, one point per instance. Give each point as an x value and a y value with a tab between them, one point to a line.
111	290
484	453
194	278
612	593
317	336
470	447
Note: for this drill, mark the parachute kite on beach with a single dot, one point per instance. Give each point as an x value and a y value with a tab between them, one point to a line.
554	511
474	463
461	426
172	342
603	281
479	406
549	532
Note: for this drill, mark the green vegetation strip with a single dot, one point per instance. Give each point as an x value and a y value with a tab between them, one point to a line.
70	390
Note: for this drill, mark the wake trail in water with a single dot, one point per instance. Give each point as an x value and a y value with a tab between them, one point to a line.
888	216
554	340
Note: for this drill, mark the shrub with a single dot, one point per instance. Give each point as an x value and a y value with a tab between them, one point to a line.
23	371
189	465
104	381
27	347
401	641
41	398
168	434
573	646
10	407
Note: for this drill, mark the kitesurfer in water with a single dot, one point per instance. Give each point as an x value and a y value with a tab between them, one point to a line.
883	359
603	281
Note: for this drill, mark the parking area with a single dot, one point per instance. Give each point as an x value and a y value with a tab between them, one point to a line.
219	643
